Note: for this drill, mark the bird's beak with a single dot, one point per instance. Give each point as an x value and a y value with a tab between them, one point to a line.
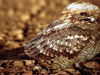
91	19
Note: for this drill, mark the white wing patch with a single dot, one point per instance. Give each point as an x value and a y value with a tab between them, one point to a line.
77	36
60	26
63	25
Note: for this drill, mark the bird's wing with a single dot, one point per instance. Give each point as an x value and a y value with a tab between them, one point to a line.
55	40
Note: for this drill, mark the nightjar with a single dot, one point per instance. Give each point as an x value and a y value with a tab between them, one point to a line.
72	39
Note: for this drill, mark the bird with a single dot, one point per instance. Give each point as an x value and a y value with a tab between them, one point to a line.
71	39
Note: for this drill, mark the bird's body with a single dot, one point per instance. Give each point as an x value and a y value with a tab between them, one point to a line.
73	38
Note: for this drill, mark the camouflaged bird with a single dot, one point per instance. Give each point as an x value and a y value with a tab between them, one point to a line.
72	39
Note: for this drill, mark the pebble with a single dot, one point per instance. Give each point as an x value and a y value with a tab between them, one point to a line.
18	63
35	9
42	14
25	17
27	73
37	67
2	40
61	72
17	34
1	68
55	66
29	62
73	71
93	65
43	71
12	44
21	26
42	3
10	12
19	37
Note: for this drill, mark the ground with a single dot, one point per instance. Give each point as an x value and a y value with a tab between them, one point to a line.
20	21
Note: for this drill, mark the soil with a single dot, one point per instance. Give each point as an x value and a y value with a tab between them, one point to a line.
20	21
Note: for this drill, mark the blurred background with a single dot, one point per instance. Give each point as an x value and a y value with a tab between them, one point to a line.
21	20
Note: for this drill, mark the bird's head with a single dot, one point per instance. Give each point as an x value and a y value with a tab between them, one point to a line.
82	13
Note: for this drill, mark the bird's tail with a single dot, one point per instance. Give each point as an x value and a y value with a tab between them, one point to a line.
17	53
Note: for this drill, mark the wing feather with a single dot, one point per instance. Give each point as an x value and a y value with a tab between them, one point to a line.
67	41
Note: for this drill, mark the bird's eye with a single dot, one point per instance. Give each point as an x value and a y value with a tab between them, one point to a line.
83	13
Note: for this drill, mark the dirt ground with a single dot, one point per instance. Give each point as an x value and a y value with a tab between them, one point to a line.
20	21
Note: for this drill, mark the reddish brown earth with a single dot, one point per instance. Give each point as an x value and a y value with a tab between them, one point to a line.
20	21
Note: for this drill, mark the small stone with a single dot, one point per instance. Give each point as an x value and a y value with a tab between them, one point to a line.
37	30
29	62
60	72
37	67
42	3
44	71
42	14
55	66
27	73
93	65
17	34
20	37
25	17
18	63
2	40
35	9
72	71
10	12
12	44
1	68
21	26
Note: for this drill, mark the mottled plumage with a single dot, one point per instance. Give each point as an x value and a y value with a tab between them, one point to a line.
73	38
